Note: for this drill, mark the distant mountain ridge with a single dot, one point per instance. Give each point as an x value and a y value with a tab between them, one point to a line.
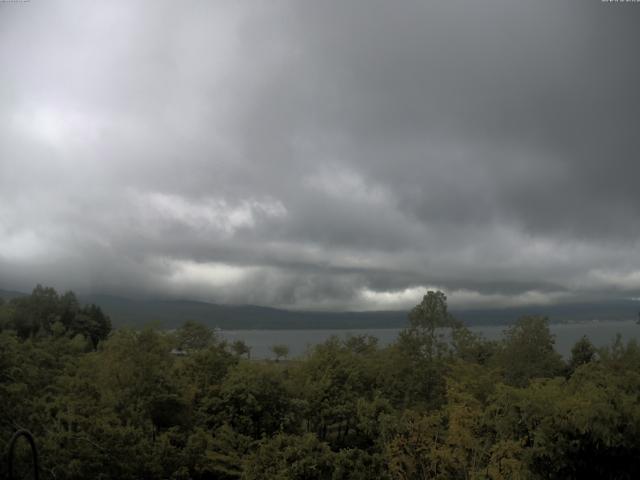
9	294
172	313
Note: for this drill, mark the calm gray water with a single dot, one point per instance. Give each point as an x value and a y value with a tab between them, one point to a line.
298	341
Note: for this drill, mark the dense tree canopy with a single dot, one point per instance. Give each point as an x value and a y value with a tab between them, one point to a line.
439	403
45	313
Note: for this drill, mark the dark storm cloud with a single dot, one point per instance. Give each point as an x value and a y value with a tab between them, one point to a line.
322	154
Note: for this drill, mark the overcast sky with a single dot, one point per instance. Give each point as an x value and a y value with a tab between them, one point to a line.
326	155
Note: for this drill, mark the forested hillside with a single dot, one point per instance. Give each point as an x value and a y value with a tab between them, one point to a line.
146	404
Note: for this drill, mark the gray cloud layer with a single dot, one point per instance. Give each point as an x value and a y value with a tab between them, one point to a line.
322	154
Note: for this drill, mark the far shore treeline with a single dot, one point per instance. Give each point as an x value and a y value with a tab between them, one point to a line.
439	403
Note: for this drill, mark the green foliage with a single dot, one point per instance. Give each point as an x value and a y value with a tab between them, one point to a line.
472	347
357	464
527	352
203	370
280	351
440	403
45	313
193	336
582	352
431	313
254	400
290	457
240	348
6	315
331	381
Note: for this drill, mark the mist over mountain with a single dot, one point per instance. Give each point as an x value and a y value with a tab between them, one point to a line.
164	313
171	313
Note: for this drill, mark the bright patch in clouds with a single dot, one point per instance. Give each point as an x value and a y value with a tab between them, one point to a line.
348	185
622	280
57	127
392	300
457	298
188	275
209	213
23	246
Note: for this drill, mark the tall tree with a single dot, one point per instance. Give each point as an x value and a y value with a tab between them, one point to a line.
280	351
194	336
527	352
240	348
581	353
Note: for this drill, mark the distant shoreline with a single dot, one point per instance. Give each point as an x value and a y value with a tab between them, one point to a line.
505	325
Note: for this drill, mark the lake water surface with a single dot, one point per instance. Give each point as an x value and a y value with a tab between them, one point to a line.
299	341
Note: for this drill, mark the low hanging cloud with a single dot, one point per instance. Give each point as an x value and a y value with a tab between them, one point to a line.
320	154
